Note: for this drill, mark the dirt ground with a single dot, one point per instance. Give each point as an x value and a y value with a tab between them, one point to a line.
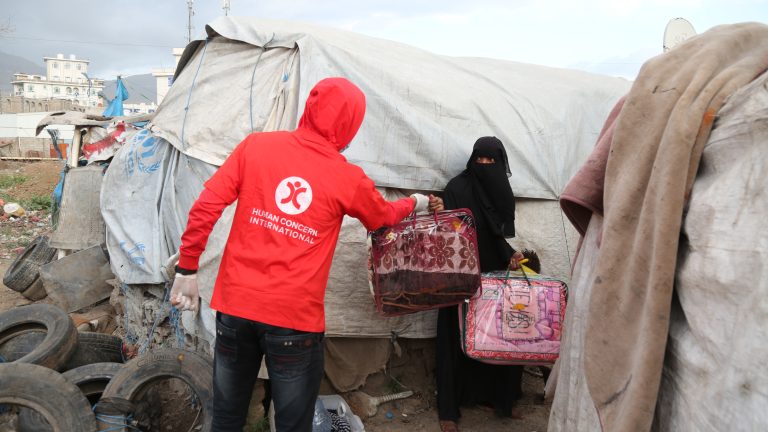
414	370
416	413
42	177
16	234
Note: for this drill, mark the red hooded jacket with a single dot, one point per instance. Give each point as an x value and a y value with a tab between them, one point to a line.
292	191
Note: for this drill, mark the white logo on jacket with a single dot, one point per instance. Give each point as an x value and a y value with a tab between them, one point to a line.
293	195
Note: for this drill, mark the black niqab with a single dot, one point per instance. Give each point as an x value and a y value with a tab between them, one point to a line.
490	183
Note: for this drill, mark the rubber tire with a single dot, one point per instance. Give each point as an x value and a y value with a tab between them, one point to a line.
60	339
47	392
36	291
192	368
21	345
95	347
92	378
26	267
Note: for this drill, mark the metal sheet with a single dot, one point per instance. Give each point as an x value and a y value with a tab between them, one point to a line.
78	280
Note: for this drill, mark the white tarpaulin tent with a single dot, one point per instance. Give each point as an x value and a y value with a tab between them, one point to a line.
424	112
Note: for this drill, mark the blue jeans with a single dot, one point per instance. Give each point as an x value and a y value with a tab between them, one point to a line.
294	362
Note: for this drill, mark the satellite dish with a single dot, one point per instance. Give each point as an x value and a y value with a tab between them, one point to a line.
677	31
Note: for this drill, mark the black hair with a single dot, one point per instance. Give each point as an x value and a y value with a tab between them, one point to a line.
533	260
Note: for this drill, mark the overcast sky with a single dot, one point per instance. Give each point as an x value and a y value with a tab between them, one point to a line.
613	37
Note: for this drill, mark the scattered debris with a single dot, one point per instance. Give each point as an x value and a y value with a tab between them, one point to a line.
13	209
368	405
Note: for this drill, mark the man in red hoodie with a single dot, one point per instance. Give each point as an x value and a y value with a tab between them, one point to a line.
292	191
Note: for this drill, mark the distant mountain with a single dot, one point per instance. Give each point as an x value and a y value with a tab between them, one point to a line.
11	64
141	88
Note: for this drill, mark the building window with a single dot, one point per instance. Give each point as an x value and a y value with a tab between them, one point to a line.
66	65
67	79
55	65
56	90
69	90
30	87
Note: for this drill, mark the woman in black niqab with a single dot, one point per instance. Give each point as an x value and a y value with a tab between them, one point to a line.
484	188
490	184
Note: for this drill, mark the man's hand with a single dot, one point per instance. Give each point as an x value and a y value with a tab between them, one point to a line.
514	262
421	202
435	203
184	293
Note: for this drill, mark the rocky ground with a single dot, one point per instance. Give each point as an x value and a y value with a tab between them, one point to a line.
31	183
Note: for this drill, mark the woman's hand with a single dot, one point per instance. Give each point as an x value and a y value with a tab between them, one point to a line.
514	262
435	204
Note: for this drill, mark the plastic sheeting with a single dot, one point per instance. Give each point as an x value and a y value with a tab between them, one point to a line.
131	193
714	375
424	111
572	408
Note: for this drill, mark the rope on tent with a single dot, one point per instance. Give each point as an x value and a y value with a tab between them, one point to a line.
565	236
174	317
160	315
253	74
192	87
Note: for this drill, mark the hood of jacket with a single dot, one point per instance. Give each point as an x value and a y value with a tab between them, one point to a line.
334	110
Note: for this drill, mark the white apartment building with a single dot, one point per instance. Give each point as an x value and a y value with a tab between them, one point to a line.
139	108
66	78
164	76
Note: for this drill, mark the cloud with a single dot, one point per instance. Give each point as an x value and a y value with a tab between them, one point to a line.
135	37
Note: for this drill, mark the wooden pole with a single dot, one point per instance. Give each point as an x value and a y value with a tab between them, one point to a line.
74	151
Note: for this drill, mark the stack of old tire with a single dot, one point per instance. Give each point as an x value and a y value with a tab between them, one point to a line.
54	378
23	275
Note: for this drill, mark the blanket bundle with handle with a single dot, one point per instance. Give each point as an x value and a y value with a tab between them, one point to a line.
515	318
425	262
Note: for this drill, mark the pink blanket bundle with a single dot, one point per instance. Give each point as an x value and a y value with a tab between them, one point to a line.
514	320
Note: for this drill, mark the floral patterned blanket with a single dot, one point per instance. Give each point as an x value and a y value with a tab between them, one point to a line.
425	262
